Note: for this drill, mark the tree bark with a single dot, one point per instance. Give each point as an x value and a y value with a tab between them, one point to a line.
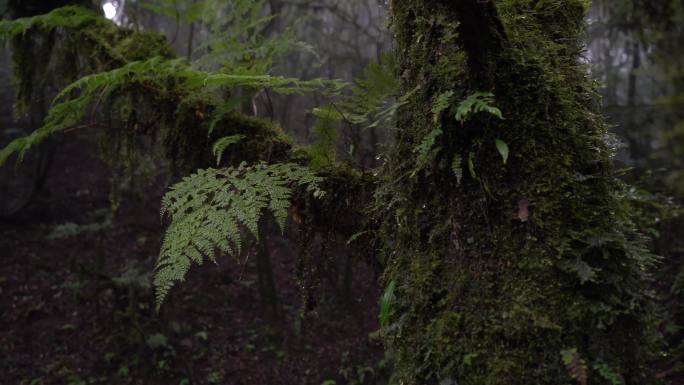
505	271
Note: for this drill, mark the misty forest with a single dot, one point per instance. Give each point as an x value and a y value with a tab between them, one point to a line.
342	192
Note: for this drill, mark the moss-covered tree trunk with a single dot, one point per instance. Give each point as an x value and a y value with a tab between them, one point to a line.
527	272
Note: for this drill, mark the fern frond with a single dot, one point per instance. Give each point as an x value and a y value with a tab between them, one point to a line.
475	103
211	210
607	373
166	80
575	365
64	17
457	168
326	134
374	99
440	104
220	145
425	149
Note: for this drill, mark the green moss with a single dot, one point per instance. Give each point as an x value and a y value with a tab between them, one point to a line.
162	101
187	141
142	46
51	51
483	297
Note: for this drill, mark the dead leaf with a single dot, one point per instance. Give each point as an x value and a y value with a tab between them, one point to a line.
523	209
296	215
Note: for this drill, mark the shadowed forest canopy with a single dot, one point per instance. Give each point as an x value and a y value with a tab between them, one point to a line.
407	192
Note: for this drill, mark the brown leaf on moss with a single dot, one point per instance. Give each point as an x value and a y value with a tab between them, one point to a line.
296	215
523	209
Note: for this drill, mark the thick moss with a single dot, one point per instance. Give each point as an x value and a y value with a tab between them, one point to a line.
50	51
497	274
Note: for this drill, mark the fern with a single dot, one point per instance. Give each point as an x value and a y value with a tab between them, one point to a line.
323	148
440	104
220	145
170	80
374	98
607	373
210	209
575	365
475	103
65	17
424	149
239	40
386	303
457	168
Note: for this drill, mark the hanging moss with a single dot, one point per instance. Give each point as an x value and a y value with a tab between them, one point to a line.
79	42
52	50
188	143
502	274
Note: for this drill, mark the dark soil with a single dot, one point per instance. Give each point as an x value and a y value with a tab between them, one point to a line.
77	306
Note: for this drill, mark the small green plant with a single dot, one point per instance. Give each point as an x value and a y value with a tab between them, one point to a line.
210	209
386	303
223	143
476	103
575	364
607	373
214	377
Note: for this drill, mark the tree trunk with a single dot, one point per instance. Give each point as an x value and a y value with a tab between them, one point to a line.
526	272
267	289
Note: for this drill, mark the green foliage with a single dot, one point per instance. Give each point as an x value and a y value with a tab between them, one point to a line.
440	104
386	304
424	150
576	366
221	145
515	263
71	42
457	168
210	209
371	102
72	17
240	40
323	148
375	97
502	147
607	373
170	82
475	103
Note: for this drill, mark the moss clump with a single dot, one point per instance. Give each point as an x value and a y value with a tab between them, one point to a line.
499	273
134	90
187	139
141	45
52	50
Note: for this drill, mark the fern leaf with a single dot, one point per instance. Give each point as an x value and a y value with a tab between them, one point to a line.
425	149
575	365
64	17
475	103
607	373
440	104
326	135
153	75
457	168
386	303
211	210
220	145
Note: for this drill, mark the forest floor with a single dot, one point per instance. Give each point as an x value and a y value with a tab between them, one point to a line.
78	308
